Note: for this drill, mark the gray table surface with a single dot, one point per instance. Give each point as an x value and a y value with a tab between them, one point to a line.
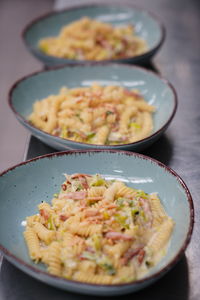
15	62
179	148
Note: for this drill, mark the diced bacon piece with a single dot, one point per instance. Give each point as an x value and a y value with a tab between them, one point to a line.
91	212
141	255
130	254
78	99
64	186
44	214
82	178
113	235
111	206
84	182
74	195
133	94
63	217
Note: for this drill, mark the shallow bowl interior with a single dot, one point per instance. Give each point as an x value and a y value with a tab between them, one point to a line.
155	90
25	186
146	26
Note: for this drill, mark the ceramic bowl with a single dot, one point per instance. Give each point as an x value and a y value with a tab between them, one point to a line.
146	26
156	91
24	186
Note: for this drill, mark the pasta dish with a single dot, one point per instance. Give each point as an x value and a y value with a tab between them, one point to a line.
88	39
99	231
102	115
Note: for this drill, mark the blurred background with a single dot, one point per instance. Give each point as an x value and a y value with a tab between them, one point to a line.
16	61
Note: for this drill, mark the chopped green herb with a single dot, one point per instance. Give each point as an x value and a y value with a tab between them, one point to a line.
97	241
135	125
106	216
120	201
109	113
131	203
98	181
143	215
148	263
79	187
135	212
90	135
142	194
78	116
129	279
88	255
122	220
109	268
64	132
55	195
101	261
50	223
115	142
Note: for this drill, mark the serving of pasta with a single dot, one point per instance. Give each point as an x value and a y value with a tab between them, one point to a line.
102	115
99	231
88	39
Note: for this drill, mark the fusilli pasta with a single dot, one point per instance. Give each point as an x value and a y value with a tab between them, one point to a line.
99	231
88	39
110	116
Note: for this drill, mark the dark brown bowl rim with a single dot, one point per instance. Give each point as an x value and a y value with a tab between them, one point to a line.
93	64
135	58
134	283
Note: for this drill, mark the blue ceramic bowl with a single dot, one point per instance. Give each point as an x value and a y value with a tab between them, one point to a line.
146	26
24	186
156	91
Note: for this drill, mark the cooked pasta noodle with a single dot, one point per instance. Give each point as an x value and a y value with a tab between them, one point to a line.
110	116
84	230
93	278
88	39
54	263
43	233
157	210
115	239
96	191
32	243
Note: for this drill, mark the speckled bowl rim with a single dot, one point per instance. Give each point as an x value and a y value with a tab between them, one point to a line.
108	3
92	64
157	274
